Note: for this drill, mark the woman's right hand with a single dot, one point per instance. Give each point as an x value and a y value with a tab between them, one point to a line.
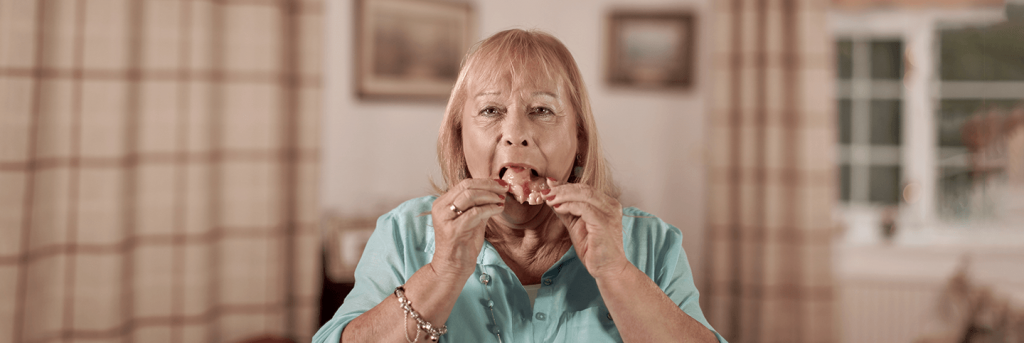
458	238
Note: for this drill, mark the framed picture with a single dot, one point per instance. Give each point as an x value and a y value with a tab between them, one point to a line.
410	48
651	49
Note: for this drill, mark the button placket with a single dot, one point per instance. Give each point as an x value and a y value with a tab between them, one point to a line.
543	290
485	280
541	315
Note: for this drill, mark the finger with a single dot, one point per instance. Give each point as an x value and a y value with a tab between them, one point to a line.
585	194
462	201
491	185
583	211
577	233
471	198
477	216
578	192
470	226
553	183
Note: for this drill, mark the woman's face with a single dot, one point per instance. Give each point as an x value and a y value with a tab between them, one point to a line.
529	124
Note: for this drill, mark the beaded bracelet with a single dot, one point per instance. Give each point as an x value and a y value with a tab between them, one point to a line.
433	333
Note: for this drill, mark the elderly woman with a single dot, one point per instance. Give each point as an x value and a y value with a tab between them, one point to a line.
526	241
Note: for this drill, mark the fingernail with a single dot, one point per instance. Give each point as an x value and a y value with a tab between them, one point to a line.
502	196
556	205
501	204
551	179
501	182
550	198
545	191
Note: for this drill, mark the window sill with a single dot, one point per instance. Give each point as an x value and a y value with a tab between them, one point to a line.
928	258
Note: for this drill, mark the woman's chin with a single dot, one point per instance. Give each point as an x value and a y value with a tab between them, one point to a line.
517	213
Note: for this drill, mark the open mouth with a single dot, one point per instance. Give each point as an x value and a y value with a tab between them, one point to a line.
525	184
501	173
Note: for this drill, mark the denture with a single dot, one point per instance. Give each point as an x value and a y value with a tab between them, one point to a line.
525	184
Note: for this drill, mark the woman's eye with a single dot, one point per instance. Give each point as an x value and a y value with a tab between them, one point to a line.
542	111
490	112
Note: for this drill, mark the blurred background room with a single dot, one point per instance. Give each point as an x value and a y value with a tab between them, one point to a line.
209	170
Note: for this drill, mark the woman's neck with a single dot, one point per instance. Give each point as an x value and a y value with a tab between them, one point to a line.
531	248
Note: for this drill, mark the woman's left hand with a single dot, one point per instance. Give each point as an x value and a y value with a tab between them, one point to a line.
594	221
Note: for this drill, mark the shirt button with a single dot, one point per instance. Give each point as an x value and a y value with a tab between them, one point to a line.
485	279
547	282
609	315
540	316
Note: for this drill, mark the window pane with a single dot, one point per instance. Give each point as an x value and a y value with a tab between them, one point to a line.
885	184
886	60
885	122
954	192
954	113
844	182
844	59
993	53
843	121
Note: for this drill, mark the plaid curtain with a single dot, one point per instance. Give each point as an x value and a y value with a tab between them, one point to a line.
772	173
158	170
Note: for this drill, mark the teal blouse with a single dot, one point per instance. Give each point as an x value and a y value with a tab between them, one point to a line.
493	303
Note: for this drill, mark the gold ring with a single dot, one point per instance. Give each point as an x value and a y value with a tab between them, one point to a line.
455	210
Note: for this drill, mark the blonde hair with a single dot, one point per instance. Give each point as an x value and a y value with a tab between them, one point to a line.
519	54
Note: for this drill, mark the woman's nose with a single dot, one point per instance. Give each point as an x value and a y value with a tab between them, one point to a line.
523	143
517	131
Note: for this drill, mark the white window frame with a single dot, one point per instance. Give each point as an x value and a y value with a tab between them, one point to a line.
918	221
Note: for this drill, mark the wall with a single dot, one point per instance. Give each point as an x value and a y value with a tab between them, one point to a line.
892	293
377	154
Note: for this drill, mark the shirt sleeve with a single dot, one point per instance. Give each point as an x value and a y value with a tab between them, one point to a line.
379	271
676	278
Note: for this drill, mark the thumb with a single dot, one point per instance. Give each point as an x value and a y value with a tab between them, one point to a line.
568	220
577	231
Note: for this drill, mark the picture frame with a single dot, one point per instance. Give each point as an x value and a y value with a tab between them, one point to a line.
410	48
651	49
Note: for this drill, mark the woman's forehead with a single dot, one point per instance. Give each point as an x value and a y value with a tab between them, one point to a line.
501	86
533	79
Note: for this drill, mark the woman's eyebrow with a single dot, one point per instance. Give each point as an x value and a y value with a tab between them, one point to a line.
488	93
545	93
534	94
